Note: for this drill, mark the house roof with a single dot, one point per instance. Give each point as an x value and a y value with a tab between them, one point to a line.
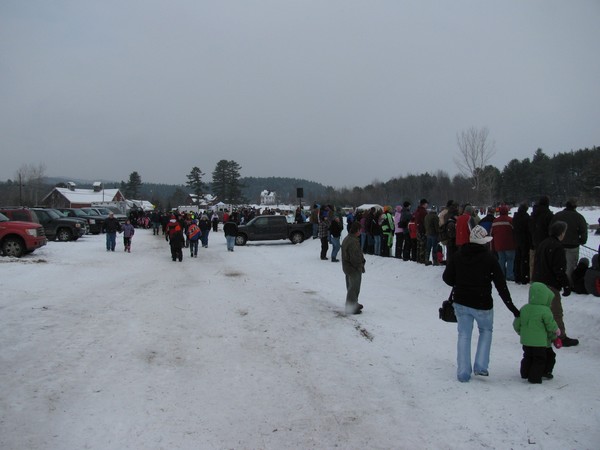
87	195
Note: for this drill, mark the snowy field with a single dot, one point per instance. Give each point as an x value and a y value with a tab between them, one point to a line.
251	350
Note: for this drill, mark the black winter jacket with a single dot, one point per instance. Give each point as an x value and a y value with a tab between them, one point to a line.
471	271
550	263
539	222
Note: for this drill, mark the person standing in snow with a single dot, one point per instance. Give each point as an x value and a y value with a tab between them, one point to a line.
111	227
194	234
537	329
353	265
576	235
128	232
550	268
323	234
230	229
215	220
174	234
335	231
204	225
471	271
504	242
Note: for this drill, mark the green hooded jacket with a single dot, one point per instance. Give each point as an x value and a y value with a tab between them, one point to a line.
536	324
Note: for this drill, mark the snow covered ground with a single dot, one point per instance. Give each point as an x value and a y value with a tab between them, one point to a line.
251	350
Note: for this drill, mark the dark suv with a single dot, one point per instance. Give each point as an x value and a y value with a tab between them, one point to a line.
94	223
55	225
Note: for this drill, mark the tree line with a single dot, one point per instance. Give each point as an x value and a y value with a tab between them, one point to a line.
574	174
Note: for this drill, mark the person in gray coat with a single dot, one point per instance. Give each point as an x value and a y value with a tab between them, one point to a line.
353	265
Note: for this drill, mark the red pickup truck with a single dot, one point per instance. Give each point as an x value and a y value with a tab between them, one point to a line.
18	238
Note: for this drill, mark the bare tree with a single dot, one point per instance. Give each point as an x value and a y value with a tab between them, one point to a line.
476	150
30	179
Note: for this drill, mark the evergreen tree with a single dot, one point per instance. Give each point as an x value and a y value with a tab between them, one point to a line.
133	186
195	182
226	182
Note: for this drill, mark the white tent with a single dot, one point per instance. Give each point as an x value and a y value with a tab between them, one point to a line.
368	206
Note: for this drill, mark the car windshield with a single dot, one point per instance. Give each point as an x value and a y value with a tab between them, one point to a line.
90	212
54	214
104	211
79	213
3	218
60	213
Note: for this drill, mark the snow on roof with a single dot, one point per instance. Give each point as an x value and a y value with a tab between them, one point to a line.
87	195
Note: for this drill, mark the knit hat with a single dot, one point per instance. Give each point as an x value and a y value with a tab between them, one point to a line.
479	235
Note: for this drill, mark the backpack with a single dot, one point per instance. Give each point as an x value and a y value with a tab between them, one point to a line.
447	231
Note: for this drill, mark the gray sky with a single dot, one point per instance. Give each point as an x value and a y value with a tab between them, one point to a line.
341	92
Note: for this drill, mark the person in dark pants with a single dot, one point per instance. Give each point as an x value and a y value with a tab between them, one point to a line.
523	244
174	235
353	265
537	329
549	268
323	234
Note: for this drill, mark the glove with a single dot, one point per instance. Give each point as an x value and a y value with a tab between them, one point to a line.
557	342
566	291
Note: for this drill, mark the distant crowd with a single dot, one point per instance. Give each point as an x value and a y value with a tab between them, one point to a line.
430	237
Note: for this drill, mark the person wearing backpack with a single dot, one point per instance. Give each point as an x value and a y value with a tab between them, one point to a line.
194	234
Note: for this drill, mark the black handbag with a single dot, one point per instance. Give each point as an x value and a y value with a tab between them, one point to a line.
447	310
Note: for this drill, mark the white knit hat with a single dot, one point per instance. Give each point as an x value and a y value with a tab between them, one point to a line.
479	235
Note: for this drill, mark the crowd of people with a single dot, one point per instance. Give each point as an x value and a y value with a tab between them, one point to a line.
540	249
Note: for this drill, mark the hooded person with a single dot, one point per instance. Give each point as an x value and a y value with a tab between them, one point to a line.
471	272
538	329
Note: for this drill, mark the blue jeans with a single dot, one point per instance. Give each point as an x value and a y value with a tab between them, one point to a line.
230	242
431	249
485	322
506	259
335	247
204	238
363	241
111	241
377	245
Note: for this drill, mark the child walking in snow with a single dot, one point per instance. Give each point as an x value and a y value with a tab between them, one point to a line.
128	232
538	329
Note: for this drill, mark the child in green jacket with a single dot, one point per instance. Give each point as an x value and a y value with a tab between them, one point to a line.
537	328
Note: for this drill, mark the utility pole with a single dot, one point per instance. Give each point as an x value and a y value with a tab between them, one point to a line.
20	191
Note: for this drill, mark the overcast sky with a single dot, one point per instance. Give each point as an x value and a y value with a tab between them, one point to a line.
341	92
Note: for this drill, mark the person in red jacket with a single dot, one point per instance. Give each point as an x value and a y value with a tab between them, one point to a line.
464	224
504	242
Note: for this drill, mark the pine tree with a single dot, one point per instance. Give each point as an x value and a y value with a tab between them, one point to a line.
195	182
226	182
133	185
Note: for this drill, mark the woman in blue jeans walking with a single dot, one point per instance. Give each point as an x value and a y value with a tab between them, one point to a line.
471	272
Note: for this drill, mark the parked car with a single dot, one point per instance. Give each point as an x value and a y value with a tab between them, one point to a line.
105	211
55	225
263	228
94	223
18	238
